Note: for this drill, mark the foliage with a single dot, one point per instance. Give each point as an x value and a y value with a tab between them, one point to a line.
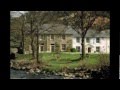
73	50
57	51
82	21
57	47
68	49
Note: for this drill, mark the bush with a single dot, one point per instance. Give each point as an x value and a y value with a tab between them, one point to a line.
104	60
68	49
57	51
73	50
20	50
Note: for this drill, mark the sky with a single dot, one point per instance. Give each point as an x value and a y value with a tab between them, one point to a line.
16	13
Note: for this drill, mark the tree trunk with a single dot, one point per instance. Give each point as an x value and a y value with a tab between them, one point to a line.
33	49
37	54
32	41
23	41
83	47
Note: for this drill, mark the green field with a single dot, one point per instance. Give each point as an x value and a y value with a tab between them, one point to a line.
68	60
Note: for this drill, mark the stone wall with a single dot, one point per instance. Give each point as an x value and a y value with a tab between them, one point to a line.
47	42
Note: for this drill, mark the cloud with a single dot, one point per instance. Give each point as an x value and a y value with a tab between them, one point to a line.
17	13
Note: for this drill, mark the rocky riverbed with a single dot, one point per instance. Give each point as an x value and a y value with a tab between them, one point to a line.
25	71
20	74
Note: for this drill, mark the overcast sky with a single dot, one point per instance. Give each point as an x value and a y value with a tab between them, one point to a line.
17	13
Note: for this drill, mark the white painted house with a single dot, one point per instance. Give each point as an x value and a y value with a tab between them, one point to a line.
95	42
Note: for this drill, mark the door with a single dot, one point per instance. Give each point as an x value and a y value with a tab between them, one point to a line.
52	48
89	49
42	48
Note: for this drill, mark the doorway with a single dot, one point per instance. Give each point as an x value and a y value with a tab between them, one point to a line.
89	49
52	47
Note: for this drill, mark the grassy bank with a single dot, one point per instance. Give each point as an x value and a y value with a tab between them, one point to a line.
68	60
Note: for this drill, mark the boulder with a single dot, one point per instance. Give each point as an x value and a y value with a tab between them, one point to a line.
31	71
38	70
23	68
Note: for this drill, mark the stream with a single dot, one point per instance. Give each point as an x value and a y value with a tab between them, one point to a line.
19	74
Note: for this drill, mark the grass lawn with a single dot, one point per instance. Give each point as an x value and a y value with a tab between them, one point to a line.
67	60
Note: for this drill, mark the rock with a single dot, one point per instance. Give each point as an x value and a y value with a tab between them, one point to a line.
28	67
66	78
77	75
27	72
53	72
38	70
87	76
44	72
81	74
71	75
57	74
66	75
23	68
62	73
31	71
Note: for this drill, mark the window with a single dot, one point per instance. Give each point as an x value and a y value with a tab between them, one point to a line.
63	37
52	37
41	37
42	47
97	40
52	47
78	48
77	39
63	47
97	49
88	40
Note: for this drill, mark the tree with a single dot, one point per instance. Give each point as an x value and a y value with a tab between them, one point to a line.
18	26
31	26
43	17
15	36
82	21
57	50
35	22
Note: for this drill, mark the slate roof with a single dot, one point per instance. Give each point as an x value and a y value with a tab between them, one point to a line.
94	33
62	29
55	29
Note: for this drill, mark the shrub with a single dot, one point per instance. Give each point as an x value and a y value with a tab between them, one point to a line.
57	51
73	50
104	60
20	50
68	49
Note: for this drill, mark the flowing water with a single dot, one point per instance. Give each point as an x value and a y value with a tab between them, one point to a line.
19	74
